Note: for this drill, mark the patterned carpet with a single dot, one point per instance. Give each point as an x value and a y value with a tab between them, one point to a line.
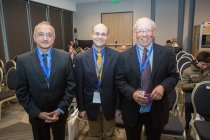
17	131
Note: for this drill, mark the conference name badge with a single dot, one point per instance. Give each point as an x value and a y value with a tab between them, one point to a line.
147	107
96	97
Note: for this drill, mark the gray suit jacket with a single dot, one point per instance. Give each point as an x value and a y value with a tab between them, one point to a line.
32	90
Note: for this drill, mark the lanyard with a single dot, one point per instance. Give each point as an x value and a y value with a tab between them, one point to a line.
45	70
143	66
98	71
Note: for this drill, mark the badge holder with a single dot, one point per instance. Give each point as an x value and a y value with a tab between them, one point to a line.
147	107
96	97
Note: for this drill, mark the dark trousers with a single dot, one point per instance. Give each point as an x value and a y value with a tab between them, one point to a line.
188	109
134	132
41	130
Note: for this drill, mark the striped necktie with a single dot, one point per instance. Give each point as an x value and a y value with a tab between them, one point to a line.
146	75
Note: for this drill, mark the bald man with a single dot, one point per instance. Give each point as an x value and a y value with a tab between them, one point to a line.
97	98
146	73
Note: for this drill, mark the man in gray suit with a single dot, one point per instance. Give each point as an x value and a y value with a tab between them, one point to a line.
45	85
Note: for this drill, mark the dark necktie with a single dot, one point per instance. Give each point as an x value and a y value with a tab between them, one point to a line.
146	75
44	56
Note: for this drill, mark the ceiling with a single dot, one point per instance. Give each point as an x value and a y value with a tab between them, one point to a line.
87	1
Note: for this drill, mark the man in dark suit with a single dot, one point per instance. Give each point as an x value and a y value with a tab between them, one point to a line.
96	94
146	73
45	85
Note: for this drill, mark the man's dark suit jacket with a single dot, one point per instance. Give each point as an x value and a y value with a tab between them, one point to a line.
87	83
128	81
32	90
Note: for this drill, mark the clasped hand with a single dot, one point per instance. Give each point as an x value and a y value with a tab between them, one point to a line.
157	94
49	117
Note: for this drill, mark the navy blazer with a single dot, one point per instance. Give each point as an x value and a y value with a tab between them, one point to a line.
128	81
32	90
87	83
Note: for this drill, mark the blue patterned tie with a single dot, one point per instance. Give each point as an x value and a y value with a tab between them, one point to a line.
44	56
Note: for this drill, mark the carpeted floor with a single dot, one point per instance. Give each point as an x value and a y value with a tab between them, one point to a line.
17	131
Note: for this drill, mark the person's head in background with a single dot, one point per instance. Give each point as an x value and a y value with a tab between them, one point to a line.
70	49
144	29
168	43
100	35
123	47
174	40
44	36
203	60
72	43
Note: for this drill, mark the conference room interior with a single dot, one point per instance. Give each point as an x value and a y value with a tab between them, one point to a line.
73	20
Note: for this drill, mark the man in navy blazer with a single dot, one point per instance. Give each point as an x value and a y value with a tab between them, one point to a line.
148	107
96	94
45	85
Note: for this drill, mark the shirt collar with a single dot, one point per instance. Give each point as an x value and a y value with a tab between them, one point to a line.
48	52
96	51
142	48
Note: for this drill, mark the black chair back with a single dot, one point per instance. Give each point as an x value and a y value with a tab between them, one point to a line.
179	55
181	61
11	78
8	65
173	99
183	67
201	99
188	55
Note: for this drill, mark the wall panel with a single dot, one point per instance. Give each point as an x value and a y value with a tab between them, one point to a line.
16	24
55	21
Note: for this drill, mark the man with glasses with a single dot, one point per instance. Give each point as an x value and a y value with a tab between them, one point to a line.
45	85
198	71
96	94
146	73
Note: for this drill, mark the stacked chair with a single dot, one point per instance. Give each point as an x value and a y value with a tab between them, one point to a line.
9	92
183	62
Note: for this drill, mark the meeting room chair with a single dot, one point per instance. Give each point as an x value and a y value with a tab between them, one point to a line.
9	64
201	106
1	78
183	67
188	55
181	61
9	94
179	55
174	127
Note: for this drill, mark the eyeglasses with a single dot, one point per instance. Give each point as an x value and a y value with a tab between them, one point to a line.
42	35
147	31
100	34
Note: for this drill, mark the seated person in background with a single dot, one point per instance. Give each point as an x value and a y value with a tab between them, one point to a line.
123	48
174	42
168	43
197	72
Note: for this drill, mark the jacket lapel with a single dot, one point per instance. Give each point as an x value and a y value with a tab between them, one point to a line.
157	58
91	64
36	66
54	64
133	58
107	61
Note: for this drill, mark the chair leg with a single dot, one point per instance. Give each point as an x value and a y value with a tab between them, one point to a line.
182	110
0	110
